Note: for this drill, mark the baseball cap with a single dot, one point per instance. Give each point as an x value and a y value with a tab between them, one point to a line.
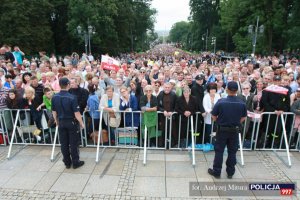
199	77
277	78
63	81
232	86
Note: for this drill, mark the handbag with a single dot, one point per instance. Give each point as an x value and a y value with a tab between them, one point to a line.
113	121
103	139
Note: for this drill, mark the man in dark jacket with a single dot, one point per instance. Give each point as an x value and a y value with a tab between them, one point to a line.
166	104
278	103
39	89
198	92
81	94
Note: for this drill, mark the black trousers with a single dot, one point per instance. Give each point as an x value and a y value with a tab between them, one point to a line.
223	139
69	136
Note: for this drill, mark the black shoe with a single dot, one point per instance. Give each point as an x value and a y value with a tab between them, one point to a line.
212	172
68	166
229	176
79	164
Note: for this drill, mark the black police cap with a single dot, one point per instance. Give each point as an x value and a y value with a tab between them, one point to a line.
64	81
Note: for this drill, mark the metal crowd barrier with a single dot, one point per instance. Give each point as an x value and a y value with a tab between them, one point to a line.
265	131
20	129
276	133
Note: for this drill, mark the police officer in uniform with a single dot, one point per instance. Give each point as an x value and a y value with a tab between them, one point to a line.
68	119
228	113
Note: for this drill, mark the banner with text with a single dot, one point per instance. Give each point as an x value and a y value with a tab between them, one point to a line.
109	63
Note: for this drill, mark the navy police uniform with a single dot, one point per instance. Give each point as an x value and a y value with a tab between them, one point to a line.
229	112
65	105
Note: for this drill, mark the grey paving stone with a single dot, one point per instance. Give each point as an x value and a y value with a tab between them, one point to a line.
172	157
100	167
292	173
180	169
70	183
58	166
116	167
153	168
255	170
47	181
39	163
158	157
24	180
5	175
106	185
16	163
149	187
179	187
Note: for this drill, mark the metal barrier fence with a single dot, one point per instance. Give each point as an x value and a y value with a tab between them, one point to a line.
20	128
170	132
263	131
128	134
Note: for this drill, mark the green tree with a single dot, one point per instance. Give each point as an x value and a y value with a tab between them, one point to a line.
294	26
180	33
27	24
59	20
237	15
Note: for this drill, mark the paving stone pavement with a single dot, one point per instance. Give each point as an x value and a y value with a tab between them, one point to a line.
171	170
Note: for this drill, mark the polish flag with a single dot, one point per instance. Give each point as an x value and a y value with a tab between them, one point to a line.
277	89
109	63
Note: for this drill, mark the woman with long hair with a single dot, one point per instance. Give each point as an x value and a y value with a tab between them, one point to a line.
32	103
209	100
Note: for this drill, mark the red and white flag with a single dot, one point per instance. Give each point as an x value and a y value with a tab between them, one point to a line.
277	89
109	63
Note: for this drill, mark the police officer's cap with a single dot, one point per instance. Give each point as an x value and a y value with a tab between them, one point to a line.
199	77
277	78
232	86
64	81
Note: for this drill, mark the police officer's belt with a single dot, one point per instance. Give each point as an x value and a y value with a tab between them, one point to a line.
233	129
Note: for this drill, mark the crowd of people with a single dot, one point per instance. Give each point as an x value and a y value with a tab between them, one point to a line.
166	79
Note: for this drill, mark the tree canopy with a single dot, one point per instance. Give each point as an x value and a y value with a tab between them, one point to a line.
50	25
229	20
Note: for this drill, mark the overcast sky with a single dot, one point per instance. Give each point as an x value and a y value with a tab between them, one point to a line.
170	12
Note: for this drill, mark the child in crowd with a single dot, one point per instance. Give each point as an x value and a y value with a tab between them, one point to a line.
48	94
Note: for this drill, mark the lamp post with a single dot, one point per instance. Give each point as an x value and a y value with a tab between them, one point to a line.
206	38
254	35
87	35
213	42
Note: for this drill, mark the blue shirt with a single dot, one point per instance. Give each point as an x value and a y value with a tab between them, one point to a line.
65	105
229	111
18	57
110	104
7	85
93	105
